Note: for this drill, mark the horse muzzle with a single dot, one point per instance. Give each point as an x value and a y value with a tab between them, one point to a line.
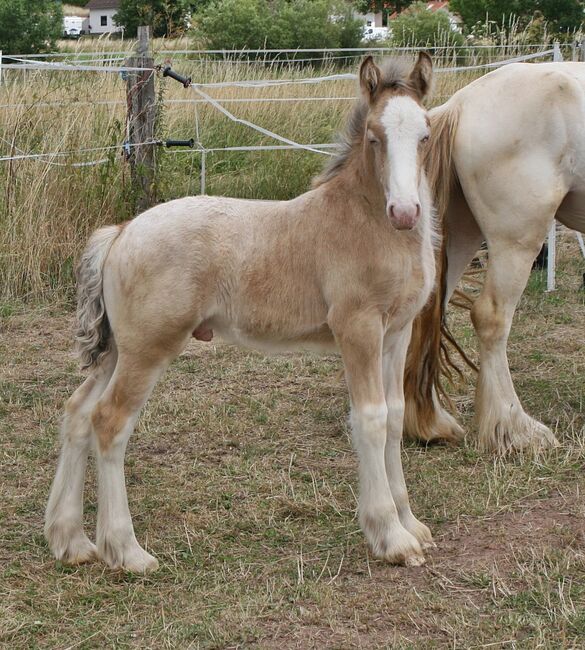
403	216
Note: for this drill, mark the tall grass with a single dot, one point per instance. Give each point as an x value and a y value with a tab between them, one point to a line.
48	208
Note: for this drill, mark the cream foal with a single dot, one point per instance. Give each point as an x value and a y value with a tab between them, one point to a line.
346	266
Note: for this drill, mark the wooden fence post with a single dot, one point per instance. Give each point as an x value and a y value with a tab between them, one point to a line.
141	100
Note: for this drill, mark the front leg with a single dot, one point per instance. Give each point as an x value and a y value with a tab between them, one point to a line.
394	359
360	338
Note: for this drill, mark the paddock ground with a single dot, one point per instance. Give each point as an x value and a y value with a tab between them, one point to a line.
242	482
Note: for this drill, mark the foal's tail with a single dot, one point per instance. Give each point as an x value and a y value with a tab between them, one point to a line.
93	334
428	356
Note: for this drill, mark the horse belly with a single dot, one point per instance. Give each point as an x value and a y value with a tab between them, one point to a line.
571	212
319	339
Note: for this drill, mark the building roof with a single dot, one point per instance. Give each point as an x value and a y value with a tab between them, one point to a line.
74	10
435	5
432	5
103	4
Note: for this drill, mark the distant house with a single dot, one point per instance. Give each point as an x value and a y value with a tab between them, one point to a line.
374	27
101	16
75	20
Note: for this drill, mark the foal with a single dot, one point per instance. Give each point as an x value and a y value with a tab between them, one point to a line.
345	266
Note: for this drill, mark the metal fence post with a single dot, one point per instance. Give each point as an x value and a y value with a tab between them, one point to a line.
551	261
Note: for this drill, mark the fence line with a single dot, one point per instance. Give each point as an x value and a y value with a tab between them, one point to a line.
42	65
27	62
125	53
205	98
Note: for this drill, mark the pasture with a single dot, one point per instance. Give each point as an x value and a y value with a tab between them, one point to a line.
241	475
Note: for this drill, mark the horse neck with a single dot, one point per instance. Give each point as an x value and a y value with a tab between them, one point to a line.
359	182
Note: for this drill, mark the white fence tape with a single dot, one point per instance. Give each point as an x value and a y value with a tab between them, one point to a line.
253	126
32	64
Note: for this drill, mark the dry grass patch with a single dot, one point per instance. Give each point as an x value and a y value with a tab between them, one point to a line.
241	480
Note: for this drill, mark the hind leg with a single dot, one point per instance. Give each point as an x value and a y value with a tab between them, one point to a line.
515	225
113	421
501	421
64	512
427	420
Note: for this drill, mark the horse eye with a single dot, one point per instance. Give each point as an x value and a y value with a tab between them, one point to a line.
372	139
425	139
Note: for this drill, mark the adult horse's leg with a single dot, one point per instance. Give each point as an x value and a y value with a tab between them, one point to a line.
360	338
395	349
515	225
113	421
426	419
64	512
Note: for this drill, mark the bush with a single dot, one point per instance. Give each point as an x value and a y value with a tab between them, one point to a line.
165	18
417	26
29	26
283	24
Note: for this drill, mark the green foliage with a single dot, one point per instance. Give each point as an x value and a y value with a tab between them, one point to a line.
418	26
29	26
365	6
165	17
237	24
561	15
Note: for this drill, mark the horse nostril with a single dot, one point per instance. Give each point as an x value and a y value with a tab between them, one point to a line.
417	210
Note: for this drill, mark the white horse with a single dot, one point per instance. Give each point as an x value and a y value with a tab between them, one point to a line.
507	157
348	265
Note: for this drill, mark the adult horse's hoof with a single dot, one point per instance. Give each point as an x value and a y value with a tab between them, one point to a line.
437	426
514	432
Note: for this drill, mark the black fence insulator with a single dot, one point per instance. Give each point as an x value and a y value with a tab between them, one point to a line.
180	143
169	72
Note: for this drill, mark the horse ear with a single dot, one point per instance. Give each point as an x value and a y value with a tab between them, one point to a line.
370	76
421	76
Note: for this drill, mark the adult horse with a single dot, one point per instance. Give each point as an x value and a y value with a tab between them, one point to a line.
349	264
507	157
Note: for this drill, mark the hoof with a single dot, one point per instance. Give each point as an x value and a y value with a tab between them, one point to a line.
420	531
440	427
70	545
129	556
515	433
391	541
415	560
141	562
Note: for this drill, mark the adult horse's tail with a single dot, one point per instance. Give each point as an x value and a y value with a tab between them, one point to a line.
428	358
93	332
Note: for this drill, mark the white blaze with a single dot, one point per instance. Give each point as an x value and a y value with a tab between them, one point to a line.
404	121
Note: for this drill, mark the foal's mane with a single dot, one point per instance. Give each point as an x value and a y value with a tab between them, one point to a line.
395	76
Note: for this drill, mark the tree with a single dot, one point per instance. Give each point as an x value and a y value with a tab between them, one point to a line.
279	24
417	26
236	24
387	6
561	15
165	17
30	26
